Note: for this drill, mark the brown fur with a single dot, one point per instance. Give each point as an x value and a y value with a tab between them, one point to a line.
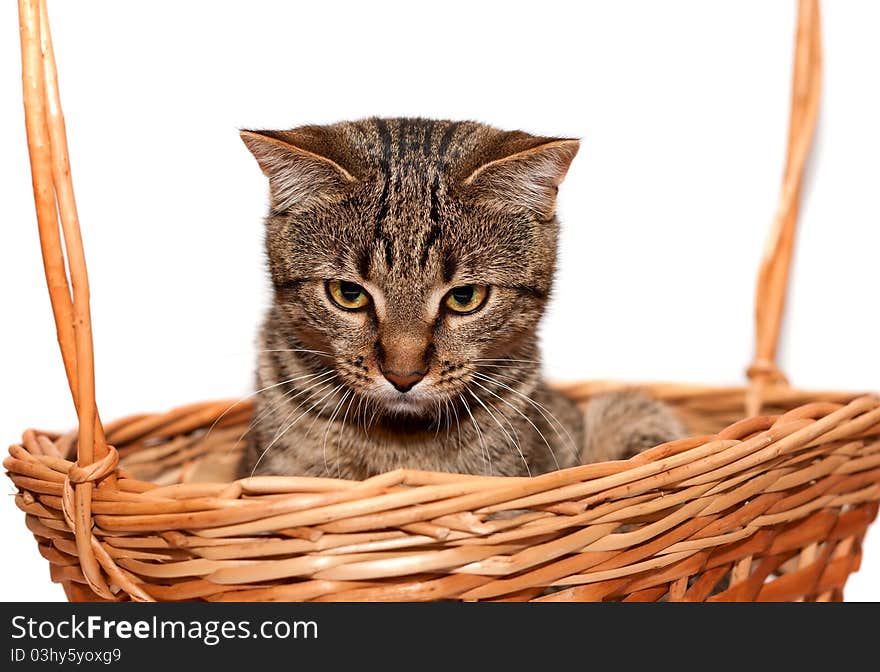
409	209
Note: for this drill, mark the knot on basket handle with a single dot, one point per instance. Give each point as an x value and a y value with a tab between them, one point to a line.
96	470
767	370
79	509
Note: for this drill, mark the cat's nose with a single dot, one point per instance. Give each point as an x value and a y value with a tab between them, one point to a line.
403	382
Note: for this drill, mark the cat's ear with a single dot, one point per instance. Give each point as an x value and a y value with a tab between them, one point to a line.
526	178
297	176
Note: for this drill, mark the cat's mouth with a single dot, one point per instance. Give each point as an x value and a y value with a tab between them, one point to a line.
414	402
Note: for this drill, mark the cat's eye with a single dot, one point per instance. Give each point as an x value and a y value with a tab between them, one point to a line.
347	295
466	298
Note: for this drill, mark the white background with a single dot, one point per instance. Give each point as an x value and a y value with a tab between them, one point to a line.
682	107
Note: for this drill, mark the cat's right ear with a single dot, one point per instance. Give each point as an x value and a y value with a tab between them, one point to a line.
297	176
525	172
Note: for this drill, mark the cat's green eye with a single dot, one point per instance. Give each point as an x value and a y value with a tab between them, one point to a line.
347	295
466	299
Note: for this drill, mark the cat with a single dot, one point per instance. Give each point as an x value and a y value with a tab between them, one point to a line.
411	261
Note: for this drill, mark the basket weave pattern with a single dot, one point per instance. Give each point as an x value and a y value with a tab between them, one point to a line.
774	506
768	499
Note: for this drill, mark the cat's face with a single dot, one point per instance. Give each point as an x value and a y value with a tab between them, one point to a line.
407	254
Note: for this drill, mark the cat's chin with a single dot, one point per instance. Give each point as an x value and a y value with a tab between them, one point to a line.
408	406
417	403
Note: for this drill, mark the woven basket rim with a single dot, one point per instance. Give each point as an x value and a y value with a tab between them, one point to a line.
392	524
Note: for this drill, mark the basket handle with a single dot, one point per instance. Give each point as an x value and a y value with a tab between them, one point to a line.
774	271
53	199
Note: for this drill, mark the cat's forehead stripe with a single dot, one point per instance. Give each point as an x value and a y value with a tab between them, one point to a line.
444	142
385	167
429	138
382	209
405	174
401	139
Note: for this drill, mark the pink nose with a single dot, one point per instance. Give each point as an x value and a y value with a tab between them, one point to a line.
403	382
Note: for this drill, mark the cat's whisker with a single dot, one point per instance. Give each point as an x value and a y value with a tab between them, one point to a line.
317	379
310	352
290	426
319	415
327	426
321	385
284	428
437	420
457	424
479	433
312	408
552	420
254	394
515	367
368	406
376	409
511	426
339	434
357	412
506	359
501	427
526	418
508	377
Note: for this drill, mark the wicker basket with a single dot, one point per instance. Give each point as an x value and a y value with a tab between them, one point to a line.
768	500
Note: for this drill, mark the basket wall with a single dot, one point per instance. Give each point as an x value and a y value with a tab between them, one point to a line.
770	508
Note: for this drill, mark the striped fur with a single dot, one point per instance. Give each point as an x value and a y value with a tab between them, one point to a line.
409	209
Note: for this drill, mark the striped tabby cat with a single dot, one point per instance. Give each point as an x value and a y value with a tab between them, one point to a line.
411	262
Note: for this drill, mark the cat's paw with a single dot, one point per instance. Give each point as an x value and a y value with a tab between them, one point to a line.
622	424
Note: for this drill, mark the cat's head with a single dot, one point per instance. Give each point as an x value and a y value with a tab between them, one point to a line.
411	252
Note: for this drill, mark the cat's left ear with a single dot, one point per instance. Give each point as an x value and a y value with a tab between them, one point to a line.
298	175
528	179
